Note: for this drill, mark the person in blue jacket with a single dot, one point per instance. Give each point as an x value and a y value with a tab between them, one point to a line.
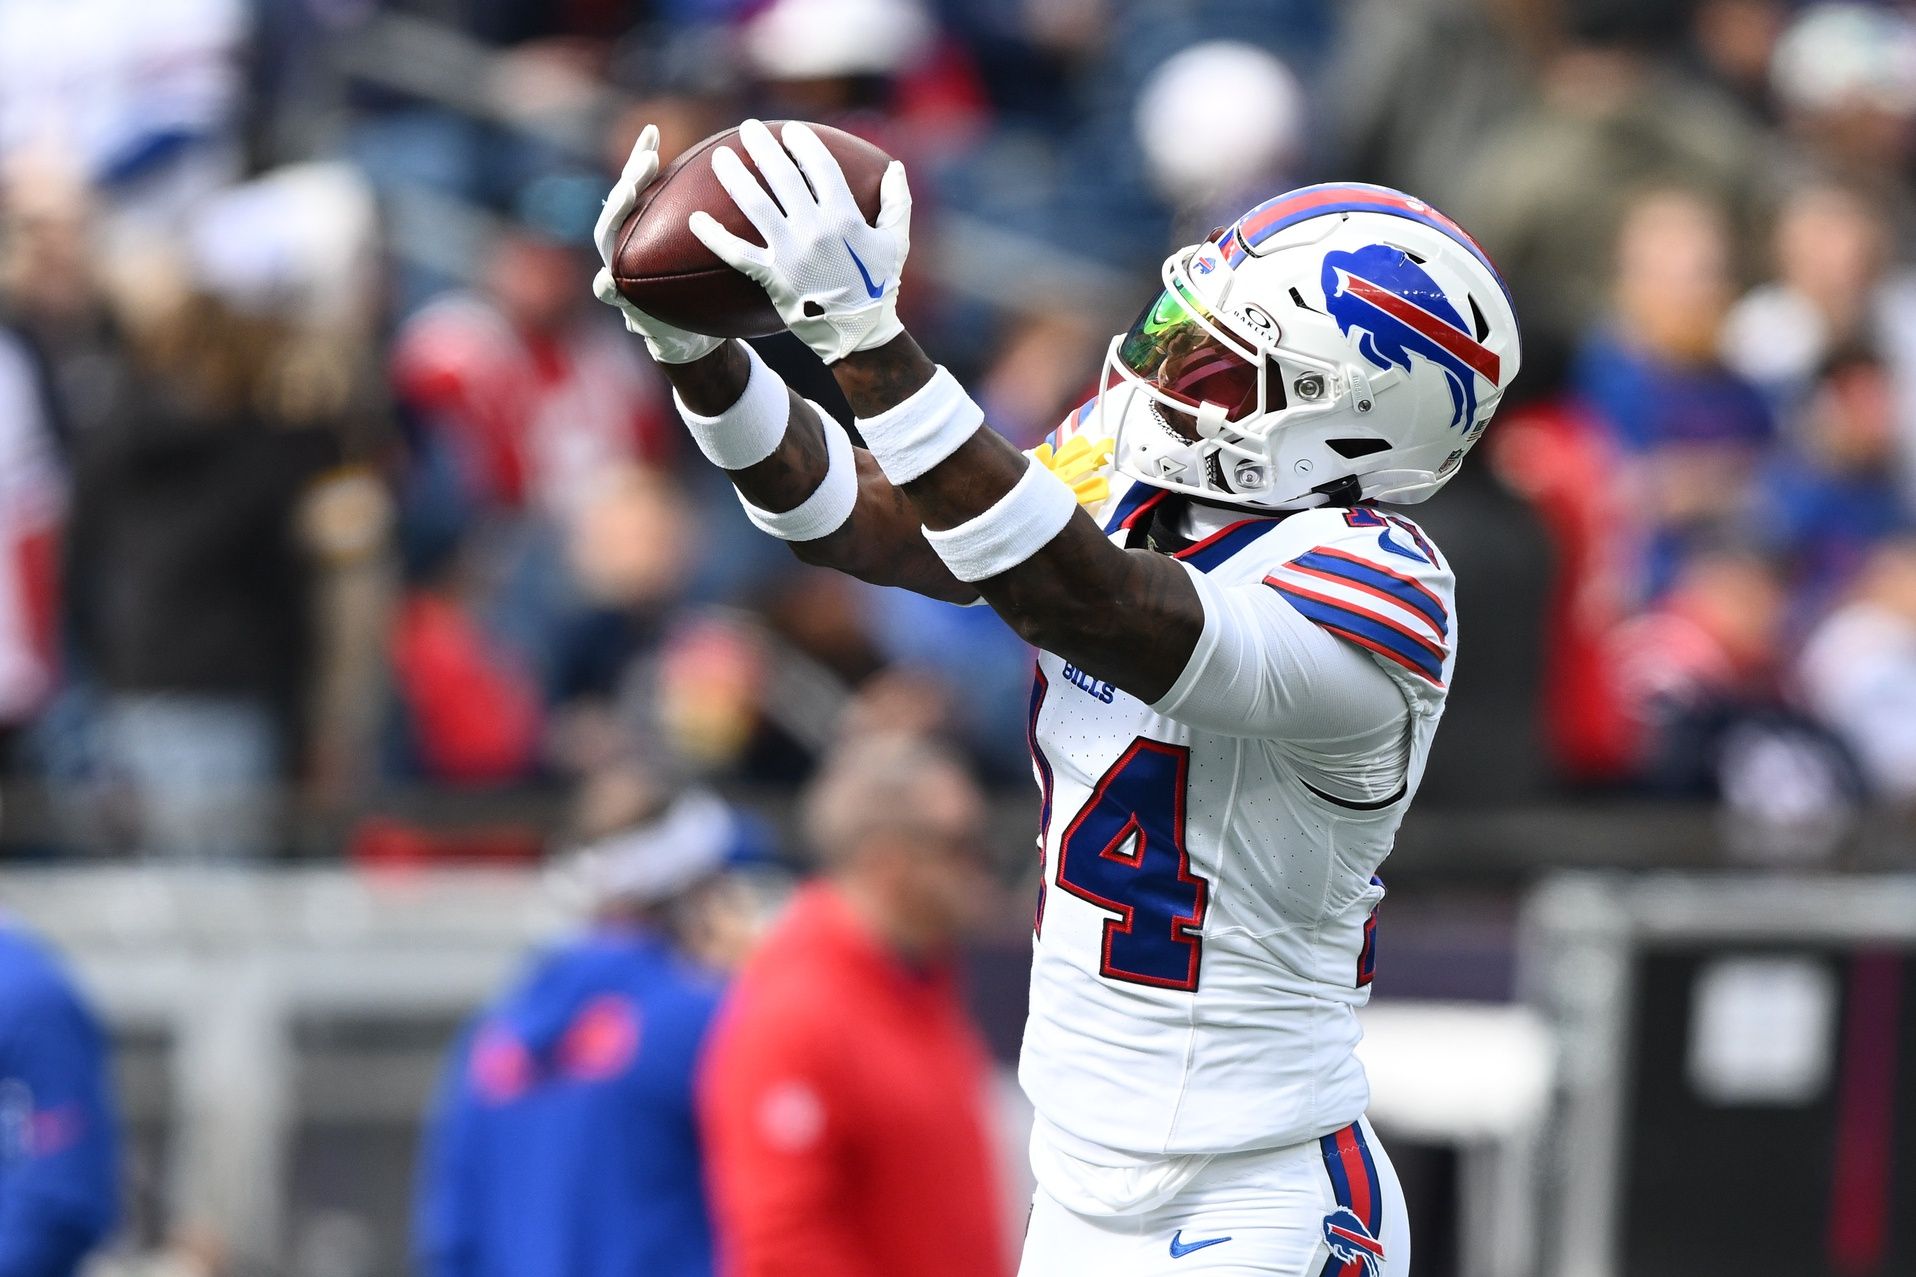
59	1135
563	1144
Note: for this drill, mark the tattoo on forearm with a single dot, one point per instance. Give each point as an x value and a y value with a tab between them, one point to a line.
713	383
795	468
881	542
1130	617
968	482
781	481
875	380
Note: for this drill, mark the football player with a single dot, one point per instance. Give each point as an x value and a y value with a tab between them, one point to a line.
1243	654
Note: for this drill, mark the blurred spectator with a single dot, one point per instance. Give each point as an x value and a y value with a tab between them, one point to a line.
628	557
62	371
1221	125
1837	285
500	638
79	376
1550	189
1105	205
825	53
191	565
564	1141
1702	655
144	94
1827	252
469	709
1830	494
844	1104
722	695
254	312
1691	432
301	243
529	422
32	501
53	291
1845	78
1403	118
1702	677
1858	671
1565	463
1732	42
949	673
520	390
865	65
59	1134
712	678
1832	287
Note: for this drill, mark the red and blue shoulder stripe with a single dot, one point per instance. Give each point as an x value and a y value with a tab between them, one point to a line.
1379	608
1368	630
1377	580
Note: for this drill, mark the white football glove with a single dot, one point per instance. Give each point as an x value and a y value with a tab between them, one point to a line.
668	345
832	276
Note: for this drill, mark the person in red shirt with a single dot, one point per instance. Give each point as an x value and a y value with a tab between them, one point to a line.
843	1105
531	403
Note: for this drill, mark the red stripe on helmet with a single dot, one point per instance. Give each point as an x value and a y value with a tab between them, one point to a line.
1477	356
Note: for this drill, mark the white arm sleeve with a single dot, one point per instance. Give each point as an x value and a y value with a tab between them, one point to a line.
1261	669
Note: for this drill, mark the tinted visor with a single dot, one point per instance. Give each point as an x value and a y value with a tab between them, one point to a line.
1171	348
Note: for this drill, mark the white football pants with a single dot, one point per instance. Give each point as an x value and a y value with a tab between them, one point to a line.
1327	1208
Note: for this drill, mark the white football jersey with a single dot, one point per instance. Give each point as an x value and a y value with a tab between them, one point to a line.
1206	919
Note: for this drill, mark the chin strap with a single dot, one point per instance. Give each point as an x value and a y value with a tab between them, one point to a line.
1405	487
1348	490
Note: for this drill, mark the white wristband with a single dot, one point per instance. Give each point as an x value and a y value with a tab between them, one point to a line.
747	432
917	434
831	502
1020	524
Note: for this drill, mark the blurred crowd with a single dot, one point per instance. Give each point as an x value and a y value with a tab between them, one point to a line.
324	479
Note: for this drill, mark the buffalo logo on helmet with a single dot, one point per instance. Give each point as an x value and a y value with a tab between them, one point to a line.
1351	1243
1400	311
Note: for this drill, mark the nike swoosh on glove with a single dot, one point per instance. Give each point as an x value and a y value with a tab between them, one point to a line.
832	276
669	345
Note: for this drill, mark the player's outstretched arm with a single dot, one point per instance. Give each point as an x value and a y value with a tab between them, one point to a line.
880	541
995	518
1129	617
775	447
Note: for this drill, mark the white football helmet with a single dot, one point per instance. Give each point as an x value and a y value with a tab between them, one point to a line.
1343	342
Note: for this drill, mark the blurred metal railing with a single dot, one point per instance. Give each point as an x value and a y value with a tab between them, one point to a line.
285	1028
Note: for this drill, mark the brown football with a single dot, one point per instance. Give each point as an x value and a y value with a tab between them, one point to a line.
662	268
